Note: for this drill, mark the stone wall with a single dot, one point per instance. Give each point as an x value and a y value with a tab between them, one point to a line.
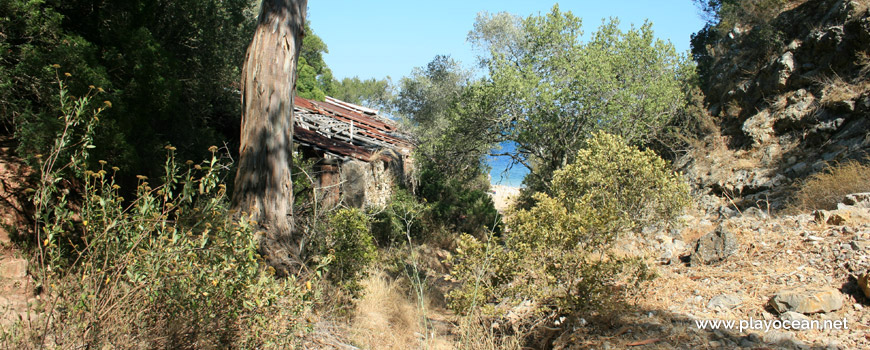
371	184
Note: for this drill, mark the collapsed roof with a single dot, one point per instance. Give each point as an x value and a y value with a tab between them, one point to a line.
345	130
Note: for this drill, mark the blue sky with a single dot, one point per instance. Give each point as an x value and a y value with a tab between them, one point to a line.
375	39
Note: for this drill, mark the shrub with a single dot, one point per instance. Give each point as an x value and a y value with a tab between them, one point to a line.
825	189
400	220
347	248
559	253
169	267
461	204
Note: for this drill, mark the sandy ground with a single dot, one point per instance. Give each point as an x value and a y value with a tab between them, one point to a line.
503	196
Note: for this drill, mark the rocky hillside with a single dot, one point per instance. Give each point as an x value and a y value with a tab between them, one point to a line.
787	107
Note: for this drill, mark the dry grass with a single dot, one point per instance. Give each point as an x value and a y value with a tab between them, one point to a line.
385	317
835	89
864	63
388	318
825	189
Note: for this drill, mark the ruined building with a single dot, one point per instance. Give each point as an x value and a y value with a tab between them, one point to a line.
359	156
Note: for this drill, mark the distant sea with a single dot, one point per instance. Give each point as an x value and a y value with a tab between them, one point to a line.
500	174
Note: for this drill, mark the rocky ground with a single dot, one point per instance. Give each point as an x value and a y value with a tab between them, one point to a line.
748	265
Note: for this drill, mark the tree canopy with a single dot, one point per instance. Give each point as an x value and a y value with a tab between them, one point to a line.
548	90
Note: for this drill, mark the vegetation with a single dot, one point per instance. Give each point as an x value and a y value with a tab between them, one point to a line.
168	68
824	190
152	270
560	254
547	91
135	246
347	249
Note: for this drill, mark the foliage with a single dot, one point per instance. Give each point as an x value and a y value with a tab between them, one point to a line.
462	206
436	104
314	79
170	266
825	189
347	248
372	93
559	255
549	91
399	218
168	67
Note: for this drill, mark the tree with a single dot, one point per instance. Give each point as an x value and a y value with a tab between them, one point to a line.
548	91
314	79
263	187
168	67
370	92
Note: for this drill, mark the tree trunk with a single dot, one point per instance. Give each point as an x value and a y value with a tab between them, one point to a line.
263	189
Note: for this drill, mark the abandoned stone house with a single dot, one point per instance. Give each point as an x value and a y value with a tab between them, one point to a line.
360	157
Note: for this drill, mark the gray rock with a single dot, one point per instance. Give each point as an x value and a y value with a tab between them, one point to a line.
755	212
857	199
725	301
807	301
781	338
793	316
714	247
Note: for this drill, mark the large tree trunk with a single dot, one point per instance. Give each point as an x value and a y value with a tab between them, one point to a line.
263	188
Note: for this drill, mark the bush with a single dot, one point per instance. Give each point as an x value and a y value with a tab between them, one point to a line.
169	267
825	189
400	220
559	254
347	248
462	205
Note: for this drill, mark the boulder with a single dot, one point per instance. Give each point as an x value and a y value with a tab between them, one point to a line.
714	247
807	301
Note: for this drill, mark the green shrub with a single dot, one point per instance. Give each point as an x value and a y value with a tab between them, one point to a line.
559	253
462	205
347	248
400	220
169	267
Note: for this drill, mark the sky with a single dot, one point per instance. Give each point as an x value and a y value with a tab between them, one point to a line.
376	39
379	39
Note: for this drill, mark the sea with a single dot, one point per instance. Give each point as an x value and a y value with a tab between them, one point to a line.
501	172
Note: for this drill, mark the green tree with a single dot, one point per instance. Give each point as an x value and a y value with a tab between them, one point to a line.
436	104
169	69
373	93
314	79
547	91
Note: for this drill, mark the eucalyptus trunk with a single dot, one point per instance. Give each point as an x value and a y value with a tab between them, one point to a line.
263	188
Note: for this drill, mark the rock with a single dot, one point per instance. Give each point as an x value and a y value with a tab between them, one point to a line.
714	247
755	213
13	268
778	337
807	301
725	301
759	127
864	283
843	216
857	199
793	316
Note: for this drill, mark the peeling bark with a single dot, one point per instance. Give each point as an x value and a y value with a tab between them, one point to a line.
263	188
